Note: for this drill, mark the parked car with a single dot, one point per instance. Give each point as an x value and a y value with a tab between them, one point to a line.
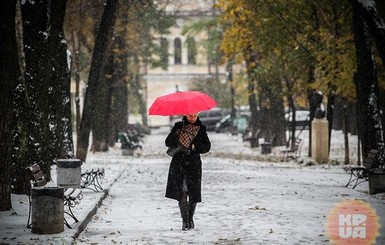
211	117
238	125
302	119
208	118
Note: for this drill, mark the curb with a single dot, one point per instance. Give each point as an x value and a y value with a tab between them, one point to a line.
83	224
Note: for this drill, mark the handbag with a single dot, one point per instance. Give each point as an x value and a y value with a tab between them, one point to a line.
171	151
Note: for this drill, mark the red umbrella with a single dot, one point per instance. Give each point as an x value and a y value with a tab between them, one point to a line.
181	103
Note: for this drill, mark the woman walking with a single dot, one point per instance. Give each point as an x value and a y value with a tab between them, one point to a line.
185	172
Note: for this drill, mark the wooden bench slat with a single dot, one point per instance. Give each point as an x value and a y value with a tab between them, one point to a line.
40	183
68	191
72	193
34	168
38	175
294	151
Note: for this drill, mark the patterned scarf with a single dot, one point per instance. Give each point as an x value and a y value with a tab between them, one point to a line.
187	134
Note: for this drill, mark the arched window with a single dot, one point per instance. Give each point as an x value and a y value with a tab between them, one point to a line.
177	51
191	50
163	51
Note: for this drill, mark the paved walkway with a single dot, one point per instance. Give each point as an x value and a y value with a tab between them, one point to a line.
244	202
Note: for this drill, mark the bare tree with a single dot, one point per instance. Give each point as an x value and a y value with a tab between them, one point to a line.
101	44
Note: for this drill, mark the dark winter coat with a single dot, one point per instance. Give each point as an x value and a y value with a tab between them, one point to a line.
190	164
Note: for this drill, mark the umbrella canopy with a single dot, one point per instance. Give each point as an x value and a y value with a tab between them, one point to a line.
181	103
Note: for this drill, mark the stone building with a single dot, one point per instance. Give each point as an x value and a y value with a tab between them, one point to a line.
186	58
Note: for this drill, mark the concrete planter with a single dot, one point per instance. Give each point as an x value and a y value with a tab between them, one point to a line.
68	173
47	210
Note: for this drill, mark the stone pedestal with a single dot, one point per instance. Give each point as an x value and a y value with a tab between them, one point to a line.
68	173
47	210
320	140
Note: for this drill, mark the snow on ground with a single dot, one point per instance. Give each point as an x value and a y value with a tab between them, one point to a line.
245	201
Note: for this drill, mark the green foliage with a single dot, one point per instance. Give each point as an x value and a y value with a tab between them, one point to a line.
217	89
291	36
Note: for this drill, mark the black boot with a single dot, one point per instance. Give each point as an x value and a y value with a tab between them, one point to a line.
184	211
191	214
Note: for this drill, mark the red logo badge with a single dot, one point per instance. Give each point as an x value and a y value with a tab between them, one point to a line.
352	222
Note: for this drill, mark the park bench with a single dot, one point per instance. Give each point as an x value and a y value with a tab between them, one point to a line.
72	196
294	151
90	179
131	142
360	174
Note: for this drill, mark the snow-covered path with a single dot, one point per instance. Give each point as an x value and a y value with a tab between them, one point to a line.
244	202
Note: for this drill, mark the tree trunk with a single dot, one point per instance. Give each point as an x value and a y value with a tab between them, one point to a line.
315	100
60	82
374	22
370	127
272	125
36	73
119	109
346	134
329	114
251	59
382	105
118	119
76	65
139	92
292	128
311	79
100	48
277	115
47	82
338	118
9	79
352	116
100	128
19	183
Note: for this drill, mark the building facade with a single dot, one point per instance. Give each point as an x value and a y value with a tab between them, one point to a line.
186	58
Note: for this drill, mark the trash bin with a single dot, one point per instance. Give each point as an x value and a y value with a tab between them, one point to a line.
68	173
254	142
128	152
266	148
376	183
47	215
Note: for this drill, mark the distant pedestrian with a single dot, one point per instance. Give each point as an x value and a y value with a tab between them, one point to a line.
185	172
